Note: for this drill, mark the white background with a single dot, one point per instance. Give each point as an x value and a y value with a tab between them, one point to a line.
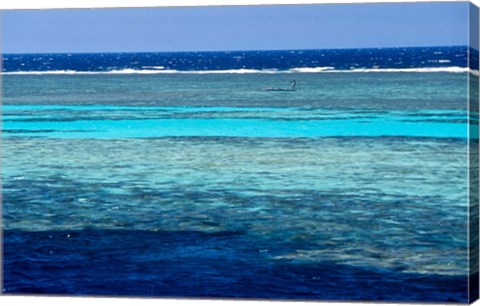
77	301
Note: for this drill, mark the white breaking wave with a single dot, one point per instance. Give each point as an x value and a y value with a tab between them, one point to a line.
230	71
312	69
144	71
161	70
154	67
56	72
367	70
432	69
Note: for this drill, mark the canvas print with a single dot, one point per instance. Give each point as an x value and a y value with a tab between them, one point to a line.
322	152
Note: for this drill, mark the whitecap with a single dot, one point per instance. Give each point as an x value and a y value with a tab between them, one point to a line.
158	70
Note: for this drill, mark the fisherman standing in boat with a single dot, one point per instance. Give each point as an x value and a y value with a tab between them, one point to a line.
294	84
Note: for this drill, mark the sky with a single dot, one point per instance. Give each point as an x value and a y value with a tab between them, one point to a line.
320	26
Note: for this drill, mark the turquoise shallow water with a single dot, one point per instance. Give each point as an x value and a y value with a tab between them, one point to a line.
359	91
143	122
355	181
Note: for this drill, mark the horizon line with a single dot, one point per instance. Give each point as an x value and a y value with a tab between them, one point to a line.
245	50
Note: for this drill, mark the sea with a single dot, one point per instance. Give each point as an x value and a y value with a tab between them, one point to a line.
208	175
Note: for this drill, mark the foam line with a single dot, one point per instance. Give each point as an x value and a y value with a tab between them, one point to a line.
249	71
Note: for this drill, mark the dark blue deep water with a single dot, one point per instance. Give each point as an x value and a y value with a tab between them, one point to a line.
337	59
196	264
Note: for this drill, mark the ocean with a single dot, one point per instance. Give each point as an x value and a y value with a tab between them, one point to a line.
206	174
